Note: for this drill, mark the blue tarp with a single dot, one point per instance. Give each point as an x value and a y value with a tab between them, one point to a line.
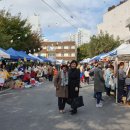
18	54
36	57
98	57
44	59
13	54
22	53
52	59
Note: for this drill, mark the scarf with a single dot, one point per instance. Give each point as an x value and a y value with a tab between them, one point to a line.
64	78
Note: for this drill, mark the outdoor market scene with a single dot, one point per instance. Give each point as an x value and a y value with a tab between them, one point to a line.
64	65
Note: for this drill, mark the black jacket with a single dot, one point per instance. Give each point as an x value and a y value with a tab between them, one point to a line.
74	81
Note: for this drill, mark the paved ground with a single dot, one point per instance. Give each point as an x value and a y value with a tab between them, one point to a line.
36	109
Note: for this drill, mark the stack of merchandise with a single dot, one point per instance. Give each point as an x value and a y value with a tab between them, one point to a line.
19	84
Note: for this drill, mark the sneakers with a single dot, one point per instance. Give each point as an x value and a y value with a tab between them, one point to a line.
99	105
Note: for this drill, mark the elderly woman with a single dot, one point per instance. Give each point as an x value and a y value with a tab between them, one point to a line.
61	84
74	83
99	84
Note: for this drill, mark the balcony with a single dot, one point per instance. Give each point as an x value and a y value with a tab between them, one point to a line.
128	23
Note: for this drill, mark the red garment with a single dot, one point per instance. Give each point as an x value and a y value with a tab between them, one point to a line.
55	72
33	74
26	77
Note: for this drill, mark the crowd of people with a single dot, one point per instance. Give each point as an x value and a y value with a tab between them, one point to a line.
27	73
69	80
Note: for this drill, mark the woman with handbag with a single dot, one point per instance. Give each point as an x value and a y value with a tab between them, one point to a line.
61	84
74	83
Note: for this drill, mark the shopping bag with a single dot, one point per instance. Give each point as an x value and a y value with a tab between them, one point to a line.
77	102
128	96
112	83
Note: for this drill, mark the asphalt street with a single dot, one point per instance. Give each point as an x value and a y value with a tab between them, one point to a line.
36	109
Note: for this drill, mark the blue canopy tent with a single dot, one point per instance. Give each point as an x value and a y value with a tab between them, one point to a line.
13	54
52	59
4	54
97	58
111	53
18	54
35	57
22	53
44	59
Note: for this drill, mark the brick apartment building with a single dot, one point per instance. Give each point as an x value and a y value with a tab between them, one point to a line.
66	51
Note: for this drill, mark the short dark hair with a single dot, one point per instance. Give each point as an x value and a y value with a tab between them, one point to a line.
121	64
74	61
66	66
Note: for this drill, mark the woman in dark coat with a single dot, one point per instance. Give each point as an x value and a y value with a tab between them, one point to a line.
73	83
99	84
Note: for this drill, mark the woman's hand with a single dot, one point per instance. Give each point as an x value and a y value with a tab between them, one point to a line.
57	88
76	89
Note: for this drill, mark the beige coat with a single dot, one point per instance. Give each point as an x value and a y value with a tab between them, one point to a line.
60	90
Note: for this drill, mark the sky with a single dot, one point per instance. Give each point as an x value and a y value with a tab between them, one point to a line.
71	14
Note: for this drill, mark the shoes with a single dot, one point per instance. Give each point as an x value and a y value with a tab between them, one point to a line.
100	105
73	112
102	100
61	111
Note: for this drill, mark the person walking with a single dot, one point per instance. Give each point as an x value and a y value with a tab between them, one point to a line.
99	84
121	81
73	83
50	73
86	74
61	84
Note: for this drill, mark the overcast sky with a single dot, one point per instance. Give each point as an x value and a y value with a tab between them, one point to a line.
80	13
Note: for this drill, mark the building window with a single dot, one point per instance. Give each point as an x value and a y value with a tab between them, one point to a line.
73	54
70	54
66	47
51	55
62	54
66	54
69	47
72	47
62	47
44	47
58	47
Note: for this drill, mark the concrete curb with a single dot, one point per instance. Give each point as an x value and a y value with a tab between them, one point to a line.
3	91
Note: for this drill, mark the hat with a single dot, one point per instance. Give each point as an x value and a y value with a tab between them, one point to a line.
64	66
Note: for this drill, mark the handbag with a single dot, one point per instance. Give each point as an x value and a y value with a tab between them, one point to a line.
77	102
128	96
111	83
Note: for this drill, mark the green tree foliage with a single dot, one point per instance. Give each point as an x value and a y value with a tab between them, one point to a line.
101	43
16	33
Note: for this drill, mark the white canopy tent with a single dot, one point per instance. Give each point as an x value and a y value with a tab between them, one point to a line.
121	51
85	60
4	54
122	54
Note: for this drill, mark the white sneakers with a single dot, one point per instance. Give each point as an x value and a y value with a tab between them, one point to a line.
99	105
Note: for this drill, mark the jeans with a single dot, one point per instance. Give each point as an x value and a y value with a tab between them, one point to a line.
121	85
98	97
108	90
61	103
50	77
87	80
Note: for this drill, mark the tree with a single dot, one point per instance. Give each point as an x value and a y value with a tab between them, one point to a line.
101	43
16	33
